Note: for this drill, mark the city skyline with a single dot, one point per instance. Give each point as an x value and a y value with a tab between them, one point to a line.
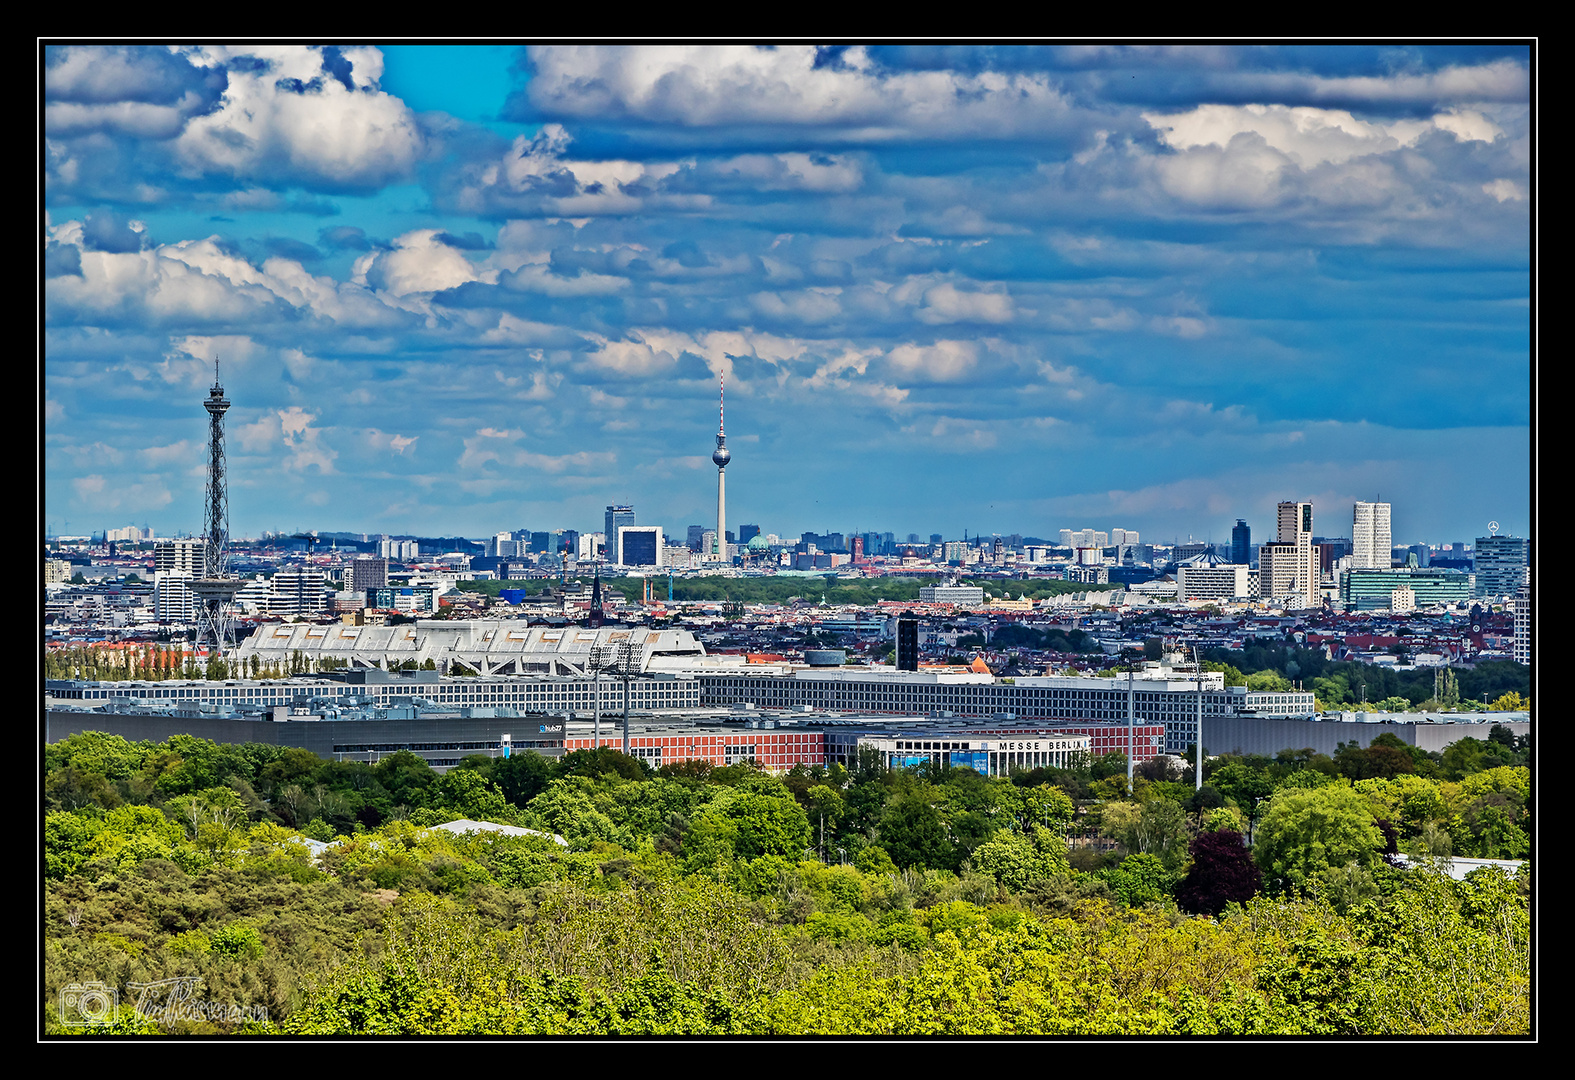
1006	290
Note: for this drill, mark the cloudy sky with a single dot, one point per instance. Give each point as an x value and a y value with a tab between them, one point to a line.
461	289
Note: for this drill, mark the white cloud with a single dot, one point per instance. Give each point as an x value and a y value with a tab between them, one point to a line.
303	442
1504	190
498	446
631	358
942	362
388	441
824	173
327	135
945	303
200	281
183	452
714	85
1257	156
421	263
535	175
807	306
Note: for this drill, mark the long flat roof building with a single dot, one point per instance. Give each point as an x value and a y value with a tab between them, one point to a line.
1159	695
486	646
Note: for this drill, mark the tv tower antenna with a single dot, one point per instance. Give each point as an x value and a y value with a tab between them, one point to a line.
215	589
721	456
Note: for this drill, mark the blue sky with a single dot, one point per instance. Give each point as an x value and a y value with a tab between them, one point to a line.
462	289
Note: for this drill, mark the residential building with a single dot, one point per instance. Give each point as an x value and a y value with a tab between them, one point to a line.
1288	570
368	572
299	591
173	600
183	555
1523	623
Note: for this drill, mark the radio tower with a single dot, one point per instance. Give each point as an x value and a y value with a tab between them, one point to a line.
721	455
215	589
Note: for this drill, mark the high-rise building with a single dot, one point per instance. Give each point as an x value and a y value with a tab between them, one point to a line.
616	518
746	533
299	591
696	537
1501	563
172	599
1288	568
907	644
368	573
178	555
640	545
1241	543
1370	540
399	550
1523	622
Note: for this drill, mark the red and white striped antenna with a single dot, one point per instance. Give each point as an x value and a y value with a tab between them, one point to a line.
721	404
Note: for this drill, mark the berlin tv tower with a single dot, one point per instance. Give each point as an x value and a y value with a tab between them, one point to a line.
721	455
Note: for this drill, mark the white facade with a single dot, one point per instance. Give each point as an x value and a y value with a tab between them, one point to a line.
178	555
1226	582
952	594
399	550
1523	624
635	535
1370	543
1288	569
299	592
254	595
172	600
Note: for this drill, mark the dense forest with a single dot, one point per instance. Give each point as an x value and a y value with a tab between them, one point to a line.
696	899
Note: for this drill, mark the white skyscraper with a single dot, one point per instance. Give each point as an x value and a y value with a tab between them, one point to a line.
1370	541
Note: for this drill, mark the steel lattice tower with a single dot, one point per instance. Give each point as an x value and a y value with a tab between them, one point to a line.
215	589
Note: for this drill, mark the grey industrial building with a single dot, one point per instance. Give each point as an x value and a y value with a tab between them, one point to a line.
1159	695
1246	735
441	739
